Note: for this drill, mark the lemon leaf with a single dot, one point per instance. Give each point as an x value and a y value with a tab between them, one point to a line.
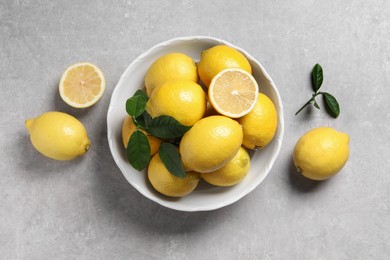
143	120
138	150
331	104
135	105
140	92
316	104
171	158
166	127
317	77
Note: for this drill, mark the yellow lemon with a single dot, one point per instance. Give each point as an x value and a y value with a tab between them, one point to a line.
58	135
233	92
129	127
321	153
259	125
82	85
172	66
232	172
218	58
210	143
166	183
183	100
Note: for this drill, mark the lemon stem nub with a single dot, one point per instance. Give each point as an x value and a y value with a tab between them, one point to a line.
28	123
87	147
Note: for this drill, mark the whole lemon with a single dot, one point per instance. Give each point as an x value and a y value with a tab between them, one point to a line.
210	143
259	125
172	66
321	153
232	172
58	135
183	100
218	58
129	127
166	183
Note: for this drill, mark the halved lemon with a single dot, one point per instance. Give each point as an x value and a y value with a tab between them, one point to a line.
82	85
233	92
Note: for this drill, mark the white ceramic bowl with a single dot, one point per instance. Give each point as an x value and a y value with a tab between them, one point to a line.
204	197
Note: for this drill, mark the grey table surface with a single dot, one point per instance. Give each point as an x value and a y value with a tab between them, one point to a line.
85	209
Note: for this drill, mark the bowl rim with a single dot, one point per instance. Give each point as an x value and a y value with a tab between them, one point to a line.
278	105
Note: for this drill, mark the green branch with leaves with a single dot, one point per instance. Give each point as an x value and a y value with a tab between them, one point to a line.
164	127
331	104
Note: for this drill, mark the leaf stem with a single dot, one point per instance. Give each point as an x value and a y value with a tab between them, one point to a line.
135	121
308	102
137	124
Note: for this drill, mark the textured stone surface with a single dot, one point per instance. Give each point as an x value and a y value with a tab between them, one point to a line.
85	209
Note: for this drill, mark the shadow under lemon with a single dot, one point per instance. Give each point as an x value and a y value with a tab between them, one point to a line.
301	183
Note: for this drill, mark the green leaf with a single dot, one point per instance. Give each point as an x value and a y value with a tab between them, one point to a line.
317	77
140	92
135	105
316	104
331	104
171	158
144	119
166	127
138	150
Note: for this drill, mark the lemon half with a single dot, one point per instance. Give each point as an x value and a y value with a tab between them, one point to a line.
82	85
233	92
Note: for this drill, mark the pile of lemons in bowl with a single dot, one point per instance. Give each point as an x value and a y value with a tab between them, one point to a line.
218	102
